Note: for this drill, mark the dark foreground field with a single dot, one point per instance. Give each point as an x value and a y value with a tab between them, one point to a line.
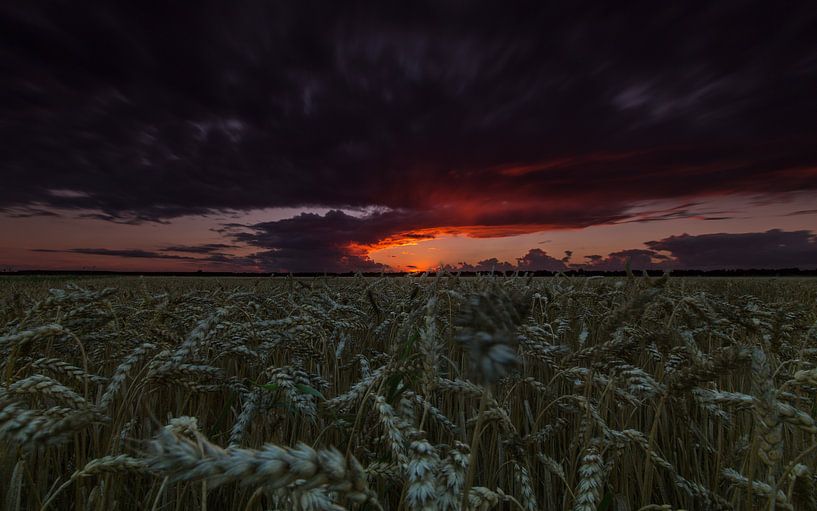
408	393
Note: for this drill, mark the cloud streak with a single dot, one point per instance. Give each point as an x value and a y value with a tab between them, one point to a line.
124	253
207	255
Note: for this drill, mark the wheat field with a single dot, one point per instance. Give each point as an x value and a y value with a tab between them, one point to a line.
431	392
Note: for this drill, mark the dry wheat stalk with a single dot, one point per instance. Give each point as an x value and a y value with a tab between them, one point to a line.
770	428
41	385
591	481
453	474
182	459
397	430
528	496
61	367
111	465
383	470
21	338
29	428
483	499
422	465
758	488
122	371
242	423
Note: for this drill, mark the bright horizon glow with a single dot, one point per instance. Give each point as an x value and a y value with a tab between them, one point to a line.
400	253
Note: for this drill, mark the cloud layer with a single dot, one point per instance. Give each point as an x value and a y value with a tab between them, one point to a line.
774	248
754	250
443	118
182	111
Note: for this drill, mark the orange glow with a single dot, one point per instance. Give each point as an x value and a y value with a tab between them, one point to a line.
412	238
423	262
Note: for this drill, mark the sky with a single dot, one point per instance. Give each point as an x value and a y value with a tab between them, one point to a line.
366	136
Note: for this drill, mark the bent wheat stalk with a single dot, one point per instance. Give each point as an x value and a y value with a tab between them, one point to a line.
183	459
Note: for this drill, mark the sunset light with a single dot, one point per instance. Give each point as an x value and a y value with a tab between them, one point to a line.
172	141
446	255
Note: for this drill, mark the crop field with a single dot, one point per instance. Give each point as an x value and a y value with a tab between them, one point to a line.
410	393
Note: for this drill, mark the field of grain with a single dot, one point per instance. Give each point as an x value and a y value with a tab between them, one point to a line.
415	393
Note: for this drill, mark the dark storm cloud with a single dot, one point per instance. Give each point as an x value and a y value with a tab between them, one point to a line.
151	113
771	249
310	242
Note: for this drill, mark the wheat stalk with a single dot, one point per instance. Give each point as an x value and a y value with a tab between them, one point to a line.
182	459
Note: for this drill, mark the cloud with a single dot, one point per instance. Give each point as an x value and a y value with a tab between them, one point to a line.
802	212
447	108
338	241
127	253
683	211
535	260
208	248
640	259
284	247
486	265
538	259
478	120
754	250
334	242
771	249
216	259
27	212
123	218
